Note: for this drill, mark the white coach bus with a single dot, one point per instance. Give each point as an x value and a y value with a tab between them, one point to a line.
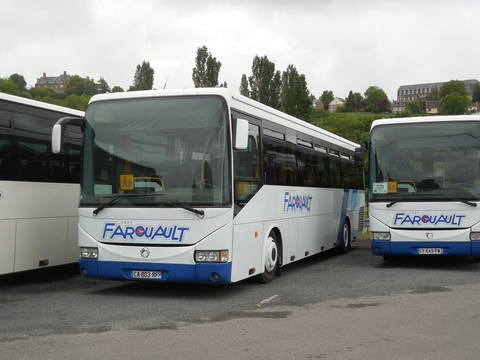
425	186
38	189
202	185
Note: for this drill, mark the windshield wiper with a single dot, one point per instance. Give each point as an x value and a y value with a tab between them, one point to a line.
200	213
118	198
472	204
107	204
390	204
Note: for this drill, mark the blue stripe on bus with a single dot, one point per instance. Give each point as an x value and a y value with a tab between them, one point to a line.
383	247
343	216
217	273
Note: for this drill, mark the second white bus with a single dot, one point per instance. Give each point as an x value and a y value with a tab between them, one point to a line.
38	189
202	185
425	186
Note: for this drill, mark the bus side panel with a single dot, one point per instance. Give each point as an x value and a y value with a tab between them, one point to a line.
247	250
73	250
7	246
38	240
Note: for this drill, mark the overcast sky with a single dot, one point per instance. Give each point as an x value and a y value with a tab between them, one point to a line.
338	45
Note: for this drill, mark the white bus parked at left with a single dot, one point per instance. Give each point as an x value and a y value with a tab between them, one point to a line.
38	189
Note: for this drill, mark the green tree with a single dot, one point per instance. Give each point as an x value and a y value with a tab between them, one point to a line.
78	102
244	86
417	107
102	86
117	89
19	80
143	78
38	93
454	104
376	100
78	85
206	70
326	98
354	102
451	87
265	83
433	95
9	87
476	93
295	98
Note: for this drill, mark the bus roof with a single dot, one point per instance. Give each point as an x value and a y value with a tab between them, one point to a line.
418	119
241	103
40	104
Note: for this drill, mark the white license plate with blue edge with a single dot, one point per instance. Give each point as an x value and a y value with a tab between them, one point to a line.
141	274
430	251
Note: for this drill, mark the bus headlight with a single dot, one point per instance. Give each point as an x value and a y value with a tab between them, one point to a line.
88	253
380	235
203	256
475	235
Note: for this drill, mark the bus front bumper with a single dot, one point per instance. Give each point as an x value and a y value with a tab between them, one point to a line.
200	272
454	248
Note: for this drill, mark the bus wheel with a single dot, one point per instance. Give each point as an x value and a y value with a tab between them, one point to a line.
272	259
345	246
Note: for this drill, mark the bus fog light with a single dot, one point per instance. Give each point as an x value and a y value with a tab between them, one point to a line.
380	235
475	235
211	256
89	253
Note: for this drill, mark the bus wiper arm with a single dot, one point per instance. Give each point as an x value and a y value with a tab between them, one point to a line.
107	204
200	213
472	204
117	199
390	204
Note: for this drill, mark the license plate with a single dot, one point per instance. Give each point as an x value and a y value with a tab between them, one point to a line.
139	274
430	251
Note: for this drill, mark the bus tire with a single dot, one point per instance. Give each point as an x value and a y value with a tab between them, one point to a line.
346	238
272	259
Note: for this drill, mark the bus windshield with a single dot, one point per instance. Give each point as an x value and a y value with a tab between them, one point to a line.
154	151
430	161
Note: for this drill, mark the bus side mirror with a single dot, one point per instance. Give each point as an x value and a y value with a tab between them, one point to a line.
241	134
358	157
58	132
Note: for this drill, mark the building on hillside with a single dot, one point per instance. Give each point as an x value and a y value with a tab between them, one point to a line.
409	93
335	104
57	83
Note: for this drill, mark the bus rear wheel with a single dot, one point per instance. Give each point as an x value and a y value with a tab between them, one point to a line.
272	259
346	244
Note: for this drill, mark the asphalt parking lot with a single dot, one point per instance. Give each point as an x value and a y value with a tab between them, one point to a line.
38	309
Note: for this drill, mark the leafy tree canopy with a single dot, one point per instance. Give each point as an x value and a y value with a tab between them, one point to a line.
354	102
295	96
102	86
78	85
117	89
244	86
476	93
19	80
206	70
376	100
451	87
326	98
417	107
9	86
143	78
454	104
265	83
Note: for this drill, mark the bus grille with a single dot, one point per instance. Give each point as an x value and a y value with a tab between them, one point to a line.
361	218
